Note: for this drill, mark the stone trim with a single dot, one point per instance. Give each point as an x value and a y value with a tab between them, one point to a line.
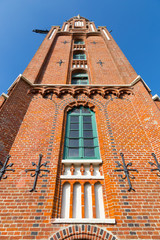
5	96
84	220
70	177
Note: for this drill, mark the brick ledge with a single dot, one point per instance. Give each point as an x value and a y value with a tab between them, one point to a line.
84	220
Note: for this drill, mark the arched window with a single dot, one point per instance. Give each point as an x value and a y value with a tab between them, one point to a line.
79	78
81	141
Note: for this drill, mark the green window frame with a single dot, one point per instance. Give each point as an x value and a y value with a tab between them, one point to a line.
81	140
79	42
79	56
80	79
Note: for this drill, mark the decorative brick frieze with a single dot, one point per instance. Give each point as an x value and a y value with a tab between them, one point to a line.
76	90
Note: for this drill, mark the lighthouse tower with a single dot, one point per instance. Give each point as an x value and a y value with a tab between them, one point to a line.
79	143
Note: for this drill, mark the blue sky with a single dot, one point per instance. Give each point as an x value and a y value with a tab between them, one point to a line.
135	27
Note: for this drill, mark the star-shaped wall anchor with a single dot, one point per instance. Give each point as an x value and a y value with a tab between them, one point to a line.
94	42
65	42
100	62
60	62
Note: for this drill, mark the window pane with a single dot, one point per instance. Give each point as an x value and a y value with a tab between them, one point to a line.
74	119
76	110
78	42
85	110
84	82
73	142
74	134
74	126
88	143
87	134
82	56
89	152
87	119
73	152
87	126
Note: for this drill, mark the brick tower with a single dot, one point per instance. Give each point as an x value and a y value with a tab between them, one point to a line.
82	132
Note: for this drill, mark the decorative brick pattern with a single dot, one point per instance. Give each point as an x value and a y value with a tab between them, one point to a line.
83	231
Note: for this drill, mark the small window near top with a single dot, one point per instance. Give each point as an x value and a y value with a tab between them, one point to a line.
79	56
78	24
78	42
80	79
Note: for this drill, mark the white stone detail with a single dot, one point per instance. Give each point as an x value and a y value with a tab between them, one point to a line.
65	200
52	33
83	220
81	177
78	24
92	28
66	26
99	201
106	34
88	209
77	207
84	161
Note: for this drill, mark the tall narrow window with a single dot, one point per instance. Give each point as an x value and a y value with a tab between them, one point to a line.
80	78
81	141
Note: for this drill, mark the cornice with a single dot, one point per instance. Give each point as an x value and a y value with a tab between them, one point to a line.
74	90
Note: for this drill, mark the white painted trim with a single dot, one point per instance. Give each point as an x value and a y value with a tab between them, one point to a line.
105	34
81	177
65	27
52	33
84	161
156	97
92	28
5	95
19	76
84	220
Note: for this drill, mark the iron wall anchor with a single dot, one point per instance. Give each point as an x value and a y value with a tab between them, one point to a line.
100	62
4	167
37	171
126	171
157	165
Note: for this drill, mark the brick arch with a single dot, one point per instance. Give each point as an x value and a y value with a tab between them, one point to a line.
84	231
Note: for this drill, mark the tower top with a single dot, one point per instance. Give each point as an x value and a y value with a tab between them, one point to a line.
77	17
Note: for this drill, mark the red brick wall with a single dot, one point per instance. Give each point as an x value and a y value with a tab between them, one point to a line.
52	73
11	116
125	69
31	124
34	67
28	215
158	104
106	74
2	99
